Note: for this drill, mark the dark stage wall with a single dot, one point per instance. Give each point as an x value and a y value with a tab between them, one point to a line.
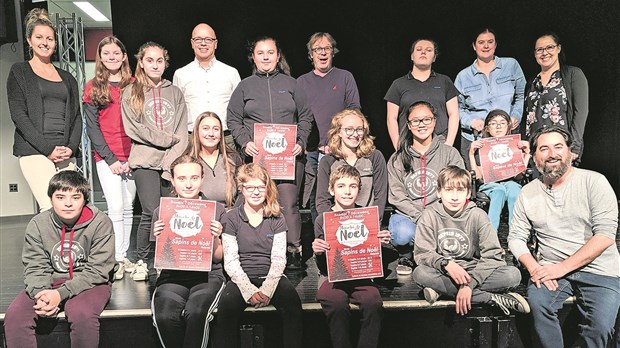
374	39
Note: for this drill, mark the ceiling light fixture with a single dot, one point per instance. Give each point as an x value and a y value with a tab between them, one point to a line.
90	10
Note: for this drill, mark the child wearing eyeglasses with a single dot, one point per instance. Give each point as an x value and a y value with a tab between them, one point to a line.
254	241
412	177
496	124
350	142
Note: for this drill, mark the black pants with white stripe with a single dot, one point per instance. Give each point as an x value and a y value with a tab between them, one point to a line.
182	313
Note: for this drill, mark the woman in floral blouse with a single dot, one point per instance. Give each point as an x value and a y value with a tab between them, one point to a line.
558	95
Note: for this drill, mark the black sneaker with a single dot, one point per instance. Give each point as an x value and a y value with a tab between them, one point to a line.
511	301
405	266
293	261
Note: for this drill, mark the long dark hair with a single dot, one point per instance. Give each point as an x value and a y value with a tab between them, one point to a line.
405	139
556	39
100	93
282	66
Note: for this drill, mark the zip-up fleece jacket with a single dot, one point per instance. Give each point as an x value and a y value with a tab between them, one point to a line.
466	238
68	259
268	98
158	134
411	192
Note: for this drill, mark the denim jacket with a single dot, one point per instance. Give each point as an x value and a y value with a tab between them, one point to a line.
503	90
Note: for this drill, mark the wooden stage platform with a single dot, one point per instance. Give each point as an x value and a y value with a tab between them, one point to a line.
409	320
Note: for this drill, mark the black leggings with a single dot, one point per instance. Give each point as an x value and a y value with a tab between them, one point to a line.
285	299
181	314
150	188
289	200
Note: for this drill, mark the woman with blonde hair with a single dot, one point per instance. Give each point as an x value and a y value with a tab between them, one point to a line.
254	241
104	124
155	118
44	103
350	142
219	162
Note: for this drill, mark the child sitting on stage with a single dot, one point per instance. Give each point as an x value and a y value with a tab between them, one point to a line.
344	184
68	258
458	252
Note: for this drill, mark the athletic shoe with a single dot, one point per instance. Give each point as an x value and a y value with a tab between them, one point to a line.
120	272
405	266
129	266
293	261
511	301
431	296
140	272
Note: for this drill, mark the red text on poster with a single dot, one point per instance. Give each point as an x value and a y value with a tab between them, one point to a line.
186	243
501	158
354	247
275	143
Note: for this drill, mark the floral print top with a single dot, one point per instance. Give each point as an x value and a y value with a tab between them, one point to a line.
546	105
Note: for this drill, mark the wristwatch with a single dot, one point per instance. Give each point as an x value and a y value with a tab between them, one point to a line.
444	263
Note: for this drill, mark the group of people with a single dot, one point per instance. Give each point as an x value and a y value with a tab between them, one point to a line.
190	138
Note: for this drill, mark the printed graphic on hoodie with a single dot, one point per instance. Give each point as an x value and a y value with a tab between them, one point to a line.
421	183
453	242
159	112
61	262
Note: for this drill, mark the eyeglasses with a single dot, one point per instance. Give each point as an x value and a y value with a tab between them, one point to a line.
206	40
497	124
425	121
253	189
350	131
540	50
327	49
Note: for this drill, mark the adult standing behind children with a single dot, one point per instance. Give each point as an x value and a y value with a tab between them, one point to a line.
412	177
491	82
44	102
423	83
155	118
350	142
458	253
344	184
329	91
271	95
574	217
206	82
68	261
104	124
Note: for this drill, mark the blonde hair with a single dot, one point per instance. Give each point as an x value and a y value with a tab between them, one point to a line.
141	84
366	146
194	148
250	171
38	16
100	93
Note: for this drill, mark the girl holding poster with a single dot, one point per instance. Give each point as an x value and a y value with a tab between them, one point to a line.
254	242
344	185
350	142
497	124
183	301
272	96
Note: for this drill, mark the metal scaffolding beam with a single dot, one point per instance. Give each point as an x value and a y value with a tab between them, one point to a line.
71	55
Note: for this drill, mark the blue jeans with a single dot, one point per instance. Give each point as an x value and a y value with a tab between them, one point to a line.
402	229
499	193
598	298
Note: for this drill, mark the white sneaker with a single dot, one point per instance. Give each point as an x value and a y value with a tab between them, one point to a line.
140	272
511	301
431	296
120	272
129	266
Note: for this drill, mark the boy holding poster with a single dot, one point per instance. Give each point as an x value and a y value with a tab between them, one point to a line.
335	297
184	300
458	253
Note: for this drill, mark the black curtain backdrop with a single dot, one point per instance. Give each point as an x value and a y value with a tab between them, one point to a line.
374	40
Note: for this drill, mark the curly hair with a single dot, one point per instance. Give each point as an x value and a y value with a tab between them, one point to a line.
334	142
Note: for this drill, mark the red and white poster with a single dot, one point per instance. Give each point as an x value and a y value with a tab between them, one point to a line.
354	247
501	158
186	242
275	144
